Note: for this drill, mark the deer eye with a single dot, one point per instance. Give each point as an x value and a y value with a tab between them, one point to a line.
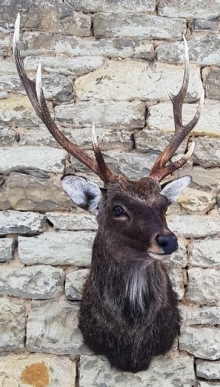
118	211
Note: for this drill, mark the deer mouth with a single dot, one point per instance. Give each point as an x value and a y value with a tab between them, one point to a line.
156	256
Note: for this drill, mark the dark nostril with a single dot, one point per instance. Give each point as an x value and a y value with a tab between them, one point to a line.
168	243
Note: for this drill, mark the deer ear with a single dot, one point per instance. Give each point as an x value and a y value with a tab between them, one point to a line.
82	192
173	190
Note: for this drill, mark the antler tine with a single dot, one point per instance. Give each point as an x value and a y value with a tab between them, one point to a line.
160	170
99	158
36	96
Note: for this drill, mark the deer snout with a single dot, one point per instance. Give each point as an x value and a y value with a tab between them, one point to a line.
167	243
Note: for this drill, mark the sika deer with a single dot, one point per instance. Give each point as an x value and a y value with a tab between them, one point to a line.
128	310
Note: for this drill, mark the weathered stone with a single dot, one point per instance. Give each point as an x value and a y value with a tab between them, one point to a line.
57	88
171	370
11	83
41	282
208	369
203	50
203	286
155	141
213	84
6	249
52	15
57	248
42	158
207	384
61	221
197	200
120	114
137	25
206	315
7	136
207	152
105	6
193	9
179	257
40	43
205	252
127	80
13	222
57	328
12	330
207	178
207	25
177	280
74	284
17	109
24	192
66	66
161	118
4	45
202	342
197	226
8	67
26	369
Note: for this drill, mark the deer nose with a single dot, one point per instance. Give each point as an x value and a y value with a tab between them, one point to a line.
168	243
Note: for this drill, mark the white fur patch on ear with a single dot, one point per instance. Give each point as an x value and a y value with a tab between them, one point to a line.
82	191
173	190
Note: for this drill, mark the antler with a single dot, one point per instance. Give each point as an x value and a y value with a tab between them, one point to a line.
160	169
36	96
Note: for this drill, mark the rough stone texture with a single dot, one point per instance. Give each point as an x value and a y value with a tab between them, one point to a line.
204	286
106	6
171	370
179	257
197	226
24	192
208	369
74	284
4	45
138	25
7	136
154	141
120	114
207	315
201	342
207	384
195	200
12	327
57	88
203	50
13	222
192	9
41	158
114	81
57	328
40	282
207	151
6	249
61	221
205	25
177	279
206	178
57	248
161	118
205	252
17	109
213	84
26	369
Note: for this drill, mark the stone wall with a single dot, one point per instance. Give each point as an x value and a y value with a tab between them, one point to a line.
111	63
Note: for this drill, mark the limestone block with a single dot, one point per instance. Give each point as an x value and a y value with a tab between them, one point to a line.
28	223
208	369
74	284
6	249
43	370
4	45
7	136
39	43
63	65
32	157
205	252
57	87
207	151
13	323
155	141
137	25
203	286
52	327
68	221
161	118
129	79
8	67
197	226
207	384
206	315
213	84
41	282
120	114
205	25
57	248
203	50
105	6
192	9
202	342
206	178
177	280
197	200
174	369
11	83
179	257
53	15
24	192
17	109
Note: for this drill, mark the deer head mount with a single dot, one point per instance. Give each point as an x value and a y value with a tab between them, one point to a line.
128	309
